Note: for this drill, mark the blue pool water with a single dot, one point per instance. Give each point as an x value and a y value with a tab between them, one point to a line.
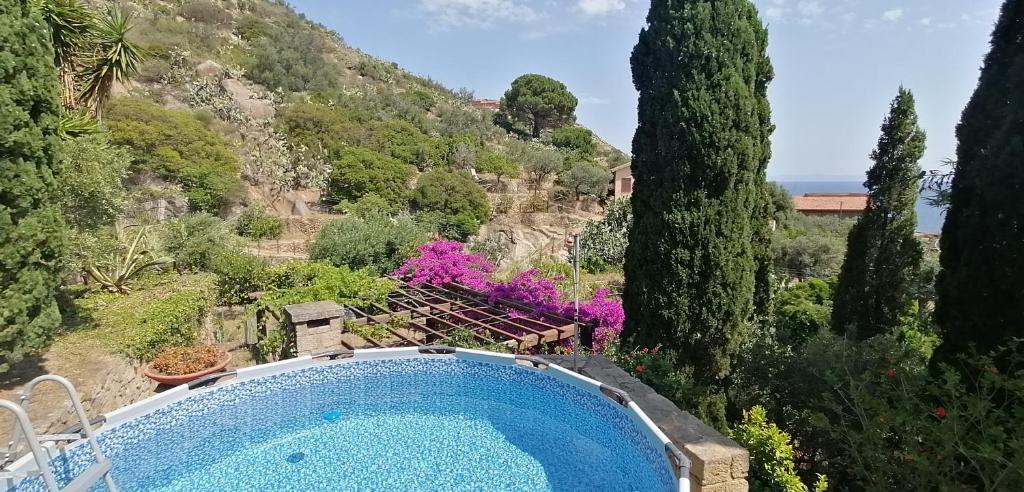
390	425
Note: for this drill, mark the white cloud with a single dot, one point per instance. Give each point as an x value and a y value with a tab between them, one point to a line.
809	8
927	21
774	13
600	7
892	15
448	14
593	100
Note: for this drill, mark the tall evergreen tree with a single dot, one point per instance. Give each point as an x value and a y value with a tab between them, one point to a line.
700	154
981	284
882	258
30	223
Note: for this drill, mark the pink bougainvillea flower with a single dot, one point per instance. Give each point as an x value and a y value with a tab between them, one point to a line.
444	262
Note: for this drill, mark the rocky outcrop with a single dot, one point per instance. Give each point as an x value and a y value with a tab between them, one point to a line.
247	100
210	69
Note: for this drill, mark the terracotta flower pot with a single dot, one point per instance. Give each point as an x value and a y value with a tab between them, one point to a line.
186	378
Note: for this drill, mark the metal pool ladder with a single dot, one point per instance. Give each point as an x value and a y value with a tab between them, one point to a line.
23	429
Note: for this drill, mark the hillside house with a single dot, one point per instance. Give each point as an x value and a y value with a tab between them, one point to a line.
622	181
488	104
831	204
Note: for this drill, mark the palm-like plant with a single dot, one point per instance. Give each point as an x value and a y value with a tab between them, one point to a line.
114	274
75	124
72	26
116	59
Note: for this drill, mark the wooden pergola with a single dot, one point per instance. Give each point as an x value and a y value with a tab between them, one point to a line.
428	314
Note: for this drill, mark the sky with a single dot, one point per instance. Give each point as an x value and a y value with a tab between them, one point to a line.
838	63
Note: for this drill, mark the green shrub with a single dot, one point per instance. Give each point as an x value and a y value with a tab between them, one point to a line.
178	147
771	454
576	140
378	243
205	11
454	196
194	241
585	178
291	58
321	127
360	171
399	139
256	223
90	181
498	164
371	205
169	322
298	282
238	275
603	243
803	311
164	311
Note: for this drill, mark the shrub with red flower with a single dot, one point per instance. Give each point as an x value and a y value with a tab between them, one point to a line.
607	313
443	262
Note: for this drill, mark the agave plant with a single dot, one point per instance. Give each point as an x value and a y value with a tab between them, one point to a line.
116	59
115	274
72	27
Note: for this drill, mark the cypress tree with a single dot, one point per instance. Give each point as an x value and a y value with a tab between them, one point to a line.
882	258
700	154
30	223
981	285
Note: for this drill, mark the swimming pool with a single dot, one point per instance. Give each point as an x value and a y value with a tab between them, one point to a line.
387	419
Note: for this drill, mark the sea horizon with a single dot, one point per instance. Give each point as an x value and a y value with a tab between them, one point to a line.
929	218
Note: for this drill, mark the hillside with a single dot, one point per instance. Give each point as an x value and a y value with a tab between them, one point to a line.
285	99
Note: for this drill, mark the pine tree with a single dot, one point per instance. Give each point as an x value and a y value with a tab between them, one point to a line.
700	154
981	284
875	285
30	223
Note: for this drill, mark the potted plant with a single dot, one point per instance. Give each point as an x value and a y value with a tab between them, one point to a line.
180	365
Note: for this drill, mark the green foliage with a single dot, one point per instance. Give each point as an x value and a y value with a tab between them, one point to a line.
256	223
299	282
90	181
585	178
177	146
466	338
401	140
540	163
114	58
979	290
291	57
30	222
603	243
811	246
576	140
781	204
452	195
238	275
700	154
164	313
771	454
194	241
377	243
326	129
205	11
371	205
883	256
360	171
803	311
537	103
499	165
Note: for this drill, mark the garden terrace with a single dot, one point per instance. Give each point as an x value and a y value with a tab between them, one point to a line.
455	315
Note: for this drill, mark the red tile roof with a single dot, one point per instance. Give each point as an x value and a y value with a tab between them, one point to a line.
491	104
831	202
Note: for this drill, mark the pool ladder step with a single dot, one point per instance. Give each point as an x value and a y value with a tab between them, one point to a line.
24	430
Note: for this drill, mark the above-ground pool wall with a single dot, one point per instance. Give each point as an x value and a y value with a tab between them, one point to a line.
717	463
703	459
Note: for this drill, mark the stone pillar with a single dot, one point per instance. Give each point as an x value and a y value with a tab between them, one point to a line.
317	325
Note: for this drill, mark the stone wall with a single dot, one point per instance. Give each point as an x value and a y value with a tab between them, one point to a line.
718	464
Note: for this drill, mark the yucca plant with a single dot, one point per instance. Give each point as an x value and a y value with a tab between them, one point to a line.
72	27
75	124
124	264
116	59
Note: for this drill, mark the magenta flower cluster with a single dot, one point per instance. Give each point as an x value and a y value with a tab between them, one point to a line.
443	262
